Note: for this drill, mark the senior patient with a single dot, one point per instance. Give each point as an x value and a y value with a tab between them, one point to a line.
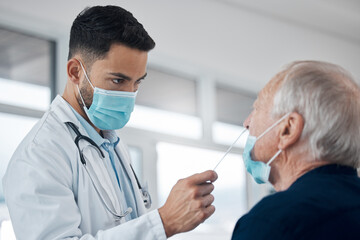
305	140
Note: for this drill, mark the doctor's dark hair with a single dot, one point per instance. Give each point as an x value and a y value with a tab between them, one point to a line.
95	29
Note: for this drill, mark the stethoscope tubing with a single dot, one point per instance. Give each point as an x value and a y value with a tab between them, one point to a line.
79	136
117	216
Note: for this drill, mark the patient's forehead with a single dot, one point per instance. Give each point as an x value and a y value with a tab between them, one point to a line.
267	94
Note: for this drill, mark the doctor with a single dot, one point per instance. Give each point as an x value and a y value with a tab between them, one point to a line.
71	176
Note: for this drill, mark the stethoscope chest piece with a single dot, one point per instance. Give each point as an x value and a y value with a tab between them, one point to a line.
147	198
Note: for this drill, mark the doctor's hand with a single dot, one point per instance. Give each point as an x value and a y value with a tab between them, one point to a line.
189	203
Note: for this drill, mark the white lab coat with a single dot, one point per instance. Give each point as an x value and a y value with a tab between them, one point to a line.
50	195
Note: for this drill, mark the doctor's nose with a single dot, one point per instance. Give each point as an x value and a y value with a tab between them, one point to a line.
131	89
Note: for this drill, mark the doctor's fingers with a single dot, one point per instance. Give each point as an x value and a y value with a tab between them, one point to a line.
204	189
205	213
203	177
205	201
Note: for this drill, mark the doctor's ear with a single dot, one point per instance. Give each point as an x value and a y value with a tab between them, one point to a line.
291	130
74	71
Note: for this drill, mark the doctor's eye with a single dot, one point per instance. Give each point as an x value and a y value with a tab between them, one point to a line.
139	81
118	81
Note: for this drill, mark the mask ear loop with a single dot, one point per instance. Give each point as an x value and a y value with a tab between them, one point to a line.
271	127
267	130
81	96
273	158
87	78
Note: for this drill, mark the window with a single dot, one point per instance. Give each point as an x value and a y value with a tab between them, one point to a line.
26	70
232	108
178	161
6	230
27	85
167	104
168	92
11	137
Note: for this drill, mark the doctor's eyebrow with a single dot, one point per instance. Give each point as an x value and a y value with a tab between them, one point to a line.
143	77
123	76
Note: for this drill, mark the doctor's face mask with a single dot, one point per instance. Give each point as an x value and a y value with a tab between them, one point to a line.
109	109
259	171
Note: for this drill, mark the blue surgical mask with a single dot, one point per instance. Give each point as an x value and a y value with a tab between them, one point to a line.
109	110
259	171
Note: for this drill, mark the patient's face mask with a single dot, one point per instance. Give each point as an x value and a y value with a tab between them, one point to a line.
259	171
109	110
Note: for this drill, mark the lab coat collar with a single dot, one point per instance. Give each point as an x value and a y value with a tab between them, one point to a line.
111	136
62	110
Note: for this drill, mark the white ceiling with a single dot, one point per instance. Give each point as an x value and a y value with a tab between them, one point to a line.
236	42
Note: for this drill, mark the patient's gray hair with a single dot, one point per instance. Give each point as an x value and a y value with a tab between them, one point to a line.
329	100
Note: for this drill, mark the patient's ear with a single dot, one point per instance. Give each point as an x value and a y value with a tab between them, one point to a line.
74	70
290	130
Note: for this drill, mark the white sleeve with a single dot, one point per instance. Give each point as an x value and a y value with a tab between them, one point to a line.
146	227
38	189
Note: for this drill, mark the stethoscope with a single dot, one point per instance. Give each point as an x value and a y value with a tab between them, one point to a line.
145	194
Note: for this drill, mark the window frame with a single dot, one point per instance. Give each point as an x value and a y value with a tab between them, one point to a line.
25	111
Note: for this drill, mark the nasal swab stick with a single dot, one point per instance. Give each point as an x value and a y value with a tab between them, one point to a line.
232	145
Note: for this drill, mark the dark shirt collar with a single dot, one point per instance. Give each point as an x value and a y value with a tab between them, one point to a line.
331	169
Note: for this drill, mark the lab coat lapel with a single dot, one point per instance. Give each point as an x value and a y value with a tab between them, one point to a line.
95	165
125	159
62	110
101	179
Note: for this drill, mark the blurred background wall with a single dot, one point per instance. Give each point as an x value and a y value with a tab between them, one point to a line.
212	58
